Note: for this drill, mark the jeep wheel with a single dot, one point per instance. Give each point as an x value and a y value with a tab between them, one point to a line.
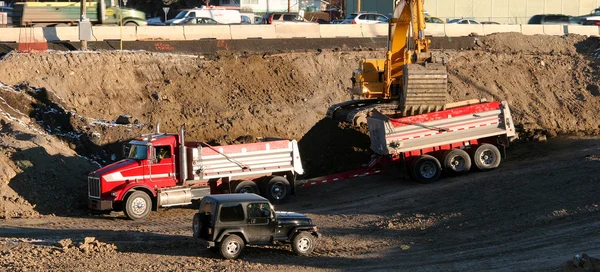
231	247
277	189
137	205
196	225
303	243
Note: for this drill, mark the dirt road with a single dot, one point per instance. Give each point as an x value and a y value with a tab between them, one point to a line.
532	214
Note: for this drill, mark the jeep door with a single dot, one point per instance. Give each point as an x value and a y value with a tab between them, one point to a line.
260	225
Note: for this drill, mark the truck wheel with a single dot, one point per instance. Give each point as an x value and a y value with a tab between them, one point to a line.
245	186
426	169
303	243
277	189
457	161
487	156
137	205
196	225
231	247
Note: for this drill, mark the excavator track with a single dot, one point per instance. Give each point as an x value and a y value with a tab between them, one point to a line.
356	111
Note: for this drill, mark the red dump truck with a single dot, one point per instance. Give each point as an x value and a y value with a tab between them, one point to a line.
162	170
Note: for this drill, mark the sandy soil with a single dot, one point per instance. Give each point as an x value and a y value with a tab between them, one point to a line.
536	212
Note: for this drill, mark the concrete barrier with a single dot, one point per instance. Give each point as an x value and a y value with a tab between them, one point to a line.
340	30
435	30
374	30
253	32
53	34
297	31
556	30
458	30
22	35
107	33
199	32
172	33
583	30
489	29
532	29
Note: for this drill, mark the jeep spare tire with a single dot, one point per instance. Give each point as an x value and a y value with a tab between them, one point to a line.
196	225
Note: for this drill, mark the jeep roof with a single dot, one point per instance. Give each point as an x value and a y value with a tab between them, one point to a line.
235	198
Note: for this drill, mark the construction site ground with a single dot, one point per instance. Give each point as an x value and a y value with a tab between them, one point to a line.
539	211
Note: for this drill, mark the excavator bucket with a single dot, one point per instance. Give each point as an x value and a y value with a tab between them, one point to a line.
424	88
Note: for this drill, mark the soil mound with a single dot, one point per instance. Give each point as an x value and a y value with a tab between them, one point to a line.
57	107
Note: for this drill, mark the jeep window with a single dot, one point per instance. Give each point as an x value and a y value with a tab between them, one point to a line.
259	210
276	16
138	152
231	213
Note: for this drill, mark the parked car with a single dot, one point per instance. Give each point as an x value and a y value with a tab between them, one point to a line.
590	19
433	20
197	21
365	18
553	19
464	22
229	222
284	18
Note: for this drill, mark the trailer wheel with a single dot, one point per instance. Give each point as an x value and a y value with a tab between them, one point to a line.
276	189
486	157
137	205
457	161
245	187
231	247
426	169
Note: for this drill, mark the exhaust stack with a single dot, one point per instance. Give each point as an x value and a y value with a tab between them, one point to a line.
182	156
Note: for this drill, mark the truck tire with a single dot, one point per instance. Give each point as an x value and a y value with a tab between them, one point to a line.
197	225
426	169
137	205
457	161
231	247
245	186
486	157
277	189
303	243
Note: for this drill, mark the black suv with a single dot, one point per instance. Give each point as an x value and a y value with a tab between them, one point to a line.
228	222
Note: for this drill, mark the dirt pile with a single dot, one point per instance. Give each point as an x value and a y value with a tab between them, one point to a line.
59	106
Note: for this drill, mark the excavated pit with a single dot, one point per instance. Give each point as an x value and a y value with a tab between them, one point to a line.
60	108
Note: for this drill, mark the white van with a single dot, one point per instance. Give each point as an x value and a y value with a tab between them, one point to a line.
222	16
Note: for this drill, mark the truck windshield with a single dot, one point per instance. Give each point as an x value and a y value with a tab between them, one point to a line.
138	152
181	14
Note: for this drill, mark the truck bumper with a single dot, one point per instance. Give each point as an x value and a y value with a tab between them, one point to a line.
99	204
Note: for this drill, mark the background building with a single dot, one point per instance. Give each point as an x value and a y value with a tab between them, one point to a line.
502	11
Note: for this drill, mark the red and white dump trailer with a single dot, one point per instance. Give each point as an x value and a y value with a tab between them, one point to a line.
162	170
425	145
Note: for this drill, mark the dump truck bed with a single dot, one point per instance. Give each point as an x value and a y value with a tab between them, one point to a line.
391	136
208	162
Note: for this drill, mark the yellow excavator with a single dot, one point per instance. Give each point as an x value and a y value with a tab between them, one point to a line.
408	81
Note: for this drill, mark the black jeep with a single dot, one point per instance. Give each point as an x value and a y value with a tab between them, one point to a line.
228	222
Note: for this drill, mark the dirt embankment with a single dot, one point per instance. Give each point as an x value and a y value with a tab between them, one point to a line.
71	99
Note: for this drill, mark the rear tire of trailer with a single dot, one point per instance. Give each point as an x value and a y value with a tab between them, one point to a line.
457	162
245	186
277	189
486	157
426	169
137	205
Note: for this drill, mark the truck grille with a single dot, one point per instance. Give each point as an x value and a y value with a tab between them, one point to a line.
94	186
